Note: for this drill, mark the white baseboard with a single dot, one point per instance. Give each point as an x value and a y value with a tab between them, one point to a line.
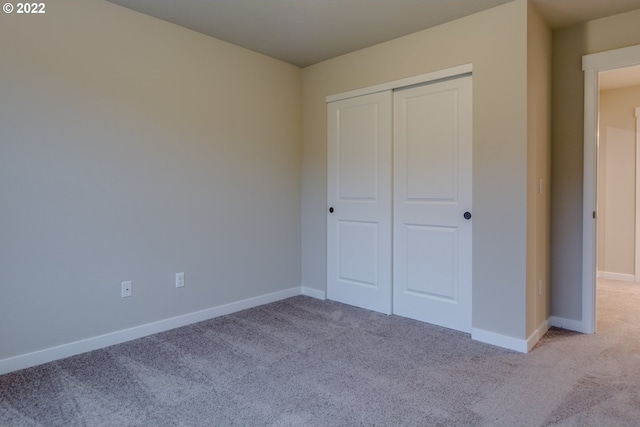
516	344
570	324
71	349
623	277
314	293
537	334
94	343
500	340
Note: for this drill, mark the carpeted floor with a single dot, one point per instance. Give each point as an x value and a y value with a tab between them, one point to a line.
305	362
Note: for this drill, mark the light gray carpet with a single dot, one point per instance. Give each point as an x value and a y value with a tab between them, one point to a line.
305	362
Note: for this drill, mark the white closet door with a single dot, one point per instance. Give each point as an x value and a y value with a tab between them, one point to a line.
359	201
432	192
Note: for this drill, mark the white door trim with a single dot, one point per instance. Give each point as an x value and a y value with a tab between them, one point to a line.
409	81
637	193
592	65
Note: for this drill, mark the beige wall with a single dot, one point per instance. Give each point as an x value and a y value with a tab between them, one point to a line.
616	180
495	42
538	168
132	149
569	45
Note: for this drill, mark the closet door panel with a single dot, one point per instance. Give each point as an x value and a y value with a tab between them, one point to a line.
359	201
432	192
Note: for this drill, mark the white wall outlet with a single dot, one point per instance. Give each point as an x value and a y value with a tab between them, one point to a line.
179	280
125	290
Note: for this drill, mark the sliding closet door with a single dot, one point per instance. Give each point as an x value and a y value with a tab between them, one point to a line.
432	203
359	201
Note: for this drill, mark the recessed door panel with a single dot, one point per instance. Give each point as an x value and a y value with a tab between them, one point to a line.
358	253
357	141
431	262
431	168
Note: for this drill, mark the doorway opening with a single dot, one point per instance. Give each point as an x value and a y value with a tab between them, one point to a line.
618	181
617	175
603	246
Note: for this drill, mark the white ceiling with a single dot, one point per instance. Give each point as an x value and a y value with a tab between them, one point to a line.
304	32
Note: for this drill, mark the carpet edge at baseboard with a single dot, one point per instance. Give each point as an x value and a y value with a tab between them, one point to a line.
51	354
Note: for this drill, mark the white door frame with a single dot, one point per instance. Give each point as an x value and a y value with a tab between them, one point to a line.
447	73
636	270
592	65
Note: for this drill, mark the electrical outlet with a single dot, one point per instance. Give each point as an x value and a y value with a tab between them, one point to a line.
179	280
125	290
